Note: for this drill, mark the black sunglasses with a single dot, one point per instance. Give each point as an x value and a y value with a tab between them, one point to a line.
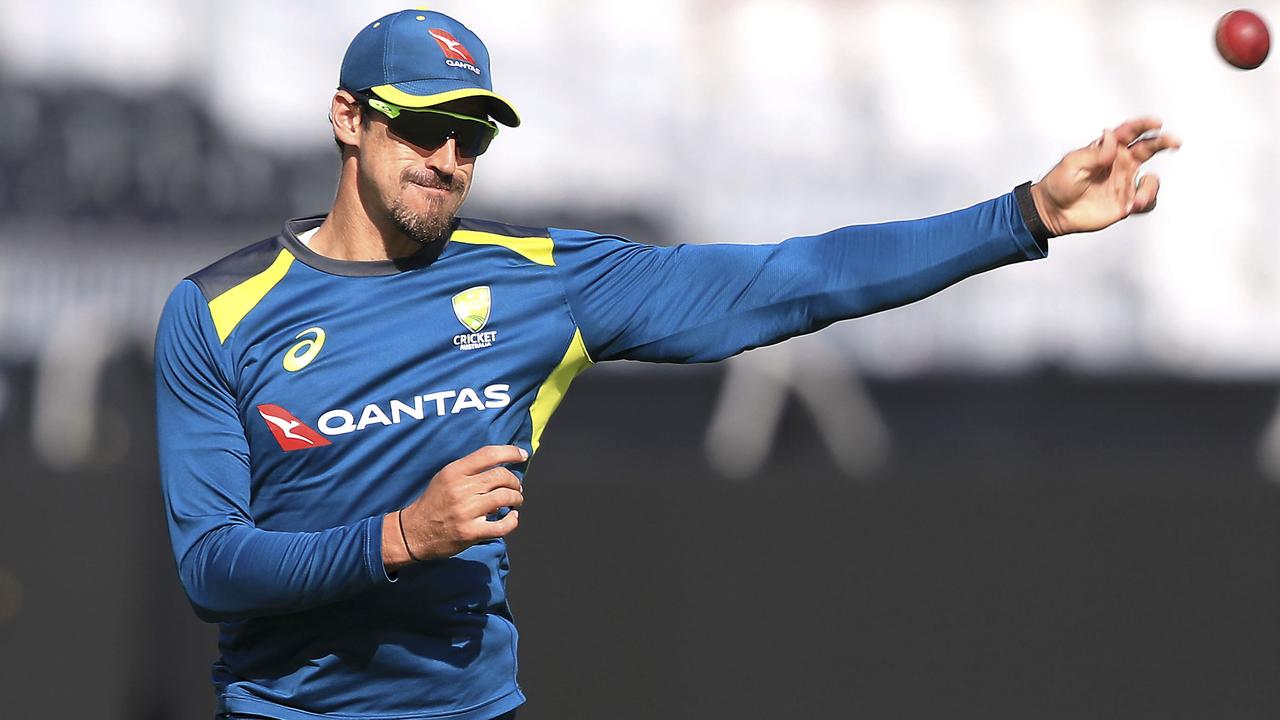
430	128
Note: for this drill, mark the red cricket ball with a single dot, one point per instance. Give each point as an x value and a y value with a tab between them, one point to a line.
1243	39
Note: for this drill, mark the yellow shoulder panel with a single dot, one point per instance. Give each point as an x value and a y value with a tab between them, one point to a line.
557	384
537	249
229	308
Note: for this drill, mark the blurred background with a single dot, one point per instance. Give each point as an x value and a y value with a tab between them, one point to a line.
1047	492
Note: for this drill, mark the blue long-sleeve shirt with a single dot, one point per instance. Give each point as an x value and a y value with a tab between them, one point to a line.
301	398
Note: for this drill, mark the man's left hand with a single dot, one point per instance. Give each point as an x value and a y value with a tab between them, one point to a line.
1097	186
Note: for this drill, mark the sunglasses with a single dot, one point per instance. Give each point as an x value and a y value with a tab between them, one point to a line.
430	128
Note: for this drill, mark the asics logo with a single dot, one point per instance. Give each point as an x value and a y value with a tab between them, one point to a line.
301	355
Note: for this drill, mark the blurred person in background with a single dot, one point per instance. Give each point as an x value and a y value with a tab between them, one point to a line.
347	409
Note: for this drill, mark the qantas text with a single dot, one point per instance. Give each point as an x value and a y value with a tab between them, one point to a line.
446	402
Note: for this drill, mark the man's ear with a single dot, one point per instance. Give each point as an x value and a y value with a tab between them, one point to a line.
345	115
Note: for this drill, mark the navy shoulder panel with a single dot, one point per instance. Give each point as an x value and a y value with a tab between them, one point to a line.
497	228
235	268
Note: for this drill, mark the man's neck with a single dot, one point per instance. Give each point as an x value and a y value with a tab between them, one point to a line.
350	232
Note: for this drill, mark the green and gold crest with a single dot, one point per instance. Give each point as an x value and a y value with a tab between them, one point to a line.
472	307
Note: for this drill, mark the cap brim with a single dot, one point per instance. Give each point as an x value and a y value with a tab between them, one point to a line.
499	108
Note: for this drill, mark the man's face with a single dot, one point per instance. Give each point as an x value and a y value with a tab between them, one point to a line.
418	188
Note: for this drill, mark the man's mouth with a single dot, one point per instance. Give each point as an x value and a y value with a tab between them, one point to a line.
433	186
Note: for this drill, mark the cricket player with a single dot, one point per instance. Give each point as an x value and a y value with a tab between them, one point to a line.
346	410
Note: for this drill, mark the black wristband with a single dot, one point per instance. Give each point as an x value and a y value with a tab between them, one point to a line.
1031	217
405	538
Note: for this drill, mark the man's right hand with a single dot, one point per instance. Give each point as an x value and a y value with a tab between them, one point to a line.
1098	185
452	514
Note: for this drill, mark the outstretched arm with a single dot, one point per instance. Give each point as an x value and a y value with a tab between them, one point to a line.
700	303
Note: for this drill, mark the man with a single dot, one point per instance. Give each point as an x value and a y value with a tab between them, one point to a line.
346	409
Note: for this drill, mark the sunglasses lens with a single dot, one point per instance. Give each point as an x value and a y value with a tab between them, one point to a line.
428	130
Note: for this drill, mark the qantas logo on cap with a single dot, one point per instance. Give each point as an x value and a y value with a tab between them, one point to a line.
455	54
290	432
451	47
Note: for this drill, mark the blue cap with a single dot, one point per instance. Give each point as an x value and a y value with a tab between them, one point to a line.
418	58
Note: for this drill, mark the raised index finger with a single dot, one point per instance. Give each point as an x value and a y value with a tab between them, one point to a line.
488	457
1131	130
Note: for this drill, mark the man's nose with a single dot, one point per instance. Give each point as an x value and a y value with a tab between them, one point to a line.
445	159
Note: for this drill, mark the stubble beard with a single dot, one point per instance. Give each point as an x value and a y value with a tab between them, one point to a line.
436	222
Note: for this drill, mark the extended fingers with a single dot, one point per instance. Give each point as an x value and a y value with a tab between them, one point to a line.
1144	200
1146	148
1131	130
1102	153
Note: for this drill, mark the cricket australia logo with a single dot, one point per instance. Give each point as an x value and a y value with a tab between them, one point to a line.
472	308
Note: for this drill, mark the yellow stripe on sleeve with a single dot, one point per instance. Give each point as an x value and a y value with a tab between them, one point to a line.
229	308
537	249
557	384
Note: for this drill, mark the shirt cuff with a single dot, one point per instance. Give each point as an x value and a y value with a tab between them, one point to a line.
373	552
1031	217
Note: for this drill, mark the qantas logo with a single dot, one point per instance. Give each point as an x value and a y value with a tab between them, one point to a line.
455	54
289	431
293	434
418	407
